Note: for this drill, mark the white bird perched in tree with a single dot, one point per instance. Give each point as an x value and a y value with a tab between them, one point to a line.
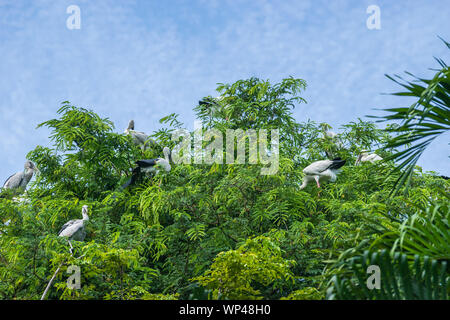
334	137
153	165
150	166
21	179
74	229
336	142
322	170
364	156
327	133
139	138
330	134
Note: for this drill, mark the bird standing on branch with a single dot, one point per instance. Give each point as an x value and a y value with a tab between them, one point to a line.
74	229
151	165
334	138
139	138
364	156
21	179
322	170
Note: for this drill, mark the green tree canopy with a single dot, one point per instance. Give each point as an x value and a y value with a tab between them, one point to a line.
220	231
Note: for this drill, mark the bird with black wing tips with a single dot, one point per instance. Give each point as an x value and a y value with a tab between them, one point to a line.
153	165
150	166
322	170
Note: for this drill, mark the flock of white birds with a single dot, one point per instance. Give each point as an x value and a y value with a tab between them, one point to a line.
318	171
75	229
327	170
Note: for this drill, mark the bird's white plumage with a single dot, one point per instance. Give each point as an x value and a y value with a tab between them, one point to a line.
71	227
21	179
163	163
321	170
330	134
366	157
139	138
317	167
334	137
74	229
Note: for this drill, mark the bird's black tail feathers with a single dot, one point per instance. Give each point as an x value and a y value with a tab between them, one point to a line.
337	163
132	180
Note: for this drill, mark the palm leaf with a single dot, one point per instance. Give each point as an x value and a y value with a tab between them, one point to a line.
421	123
424	279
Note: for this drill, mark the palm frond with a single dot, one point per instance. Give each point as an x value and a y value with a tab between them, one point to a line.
422	122
423	279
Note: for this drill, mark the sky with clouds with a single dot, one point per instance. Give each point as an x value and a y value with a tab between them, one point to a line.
145	59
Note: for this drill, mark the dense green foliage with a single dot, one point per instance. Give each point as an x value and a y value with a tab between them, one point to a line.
220	231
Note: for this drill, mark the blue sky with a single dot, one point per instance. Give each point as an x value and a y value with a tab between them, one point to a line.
145	59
